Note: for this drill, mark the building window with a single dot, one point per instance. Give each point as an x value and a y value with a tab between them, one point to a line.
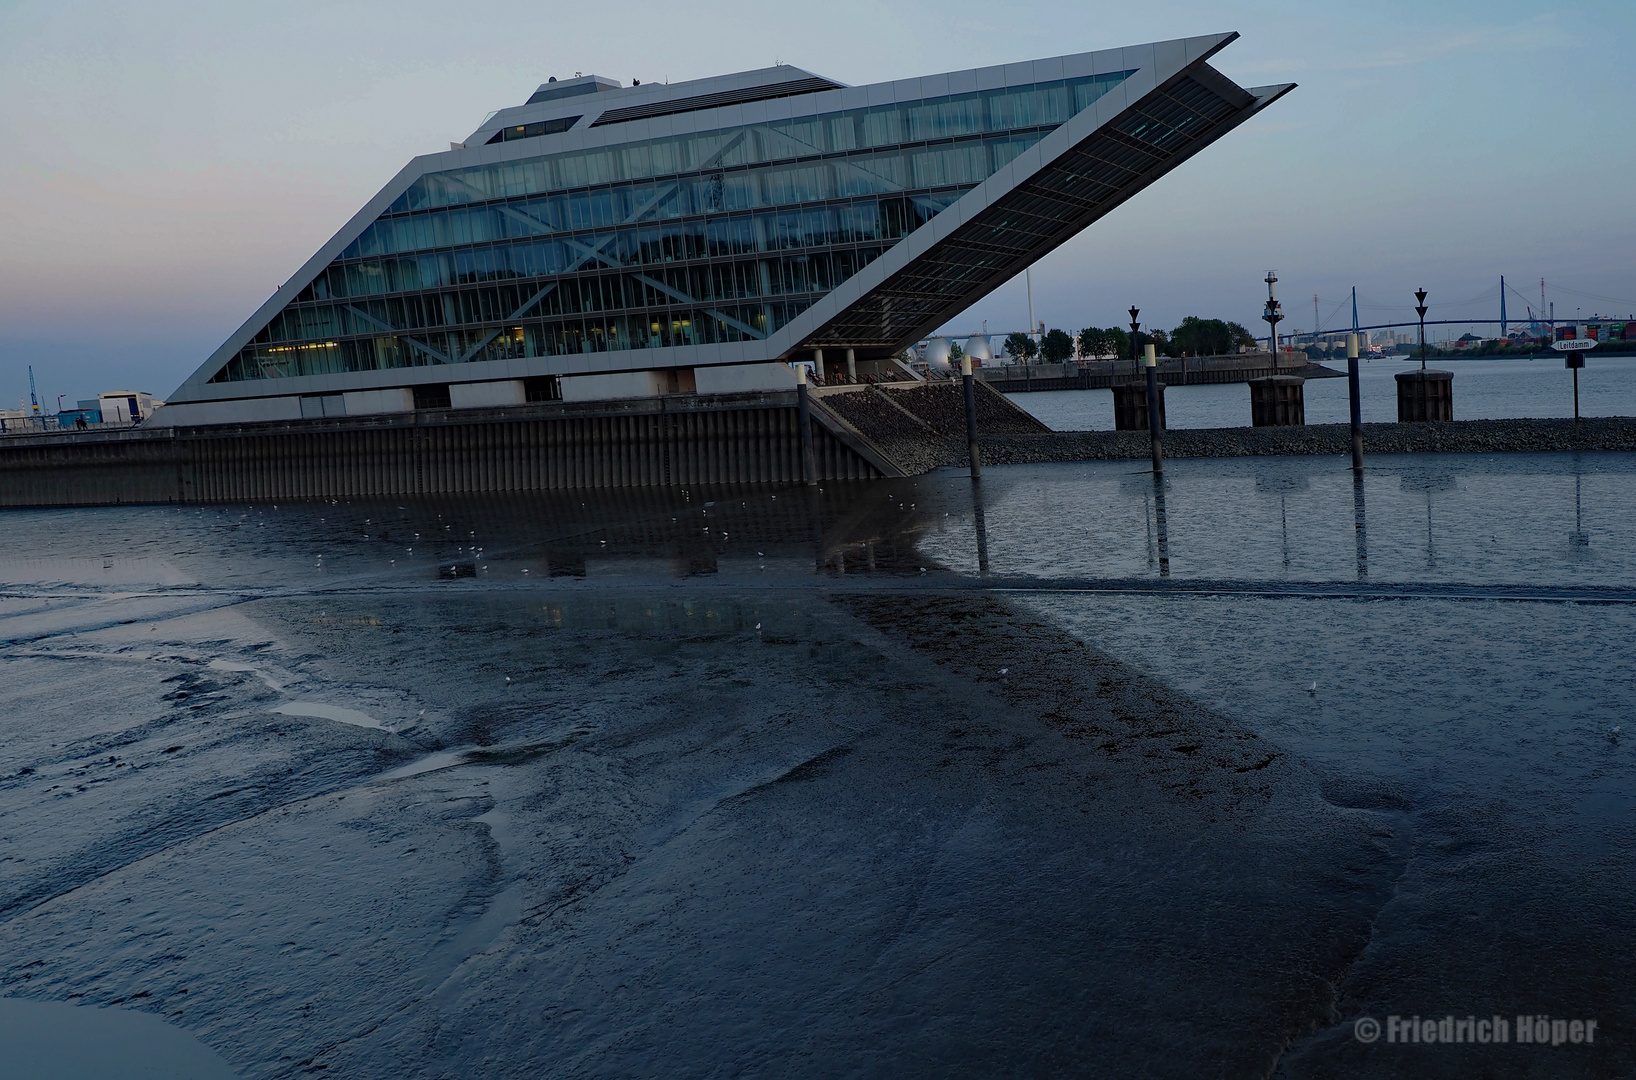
531	131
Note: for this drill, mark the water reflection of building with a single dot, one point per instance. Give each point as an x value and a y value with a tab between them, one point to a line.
655	532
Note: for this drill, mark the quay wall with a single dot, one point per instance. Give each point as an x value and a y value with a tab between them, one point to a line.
661	442
859	433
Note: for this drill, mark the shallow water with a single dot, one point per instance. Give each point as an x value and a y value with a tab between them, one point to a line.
43	1039
1063	768
339	714
1483	390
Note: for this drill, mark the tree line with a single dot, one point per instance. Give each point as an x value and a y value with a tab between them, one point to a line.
1194	337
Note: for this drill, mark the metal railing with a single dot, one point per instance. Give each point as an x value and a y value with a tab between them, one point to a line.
48	425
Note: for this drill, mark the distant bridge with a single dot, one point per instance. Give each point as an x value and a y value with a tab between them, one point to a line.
1540	322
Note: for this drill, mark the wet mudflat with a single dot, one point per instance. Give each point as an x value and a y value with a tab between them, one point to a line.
892	779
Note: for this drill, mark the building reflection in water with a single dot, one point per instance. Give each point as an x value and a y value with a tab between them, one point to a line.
650	532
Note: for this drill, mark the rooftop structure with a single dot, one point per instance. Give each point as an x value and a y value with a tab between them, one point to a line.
601	241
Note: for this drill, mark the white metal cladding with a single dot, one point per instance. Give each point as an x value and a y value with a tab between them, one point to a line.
659	98
1150	67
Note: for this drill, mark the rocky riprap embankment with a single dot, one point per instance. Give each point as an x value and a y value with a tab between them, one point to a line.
1459	436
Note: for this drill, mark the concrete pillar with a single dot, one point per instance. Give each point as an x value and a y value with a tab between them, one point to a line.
818	365
1425	395
1278	401
1130	406
851	366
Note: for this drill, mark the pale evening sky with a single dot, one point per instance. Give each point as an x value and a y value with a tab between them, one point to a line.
165	165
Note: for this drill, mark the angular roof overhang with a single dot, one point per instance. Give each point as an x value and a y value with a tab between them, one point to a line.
1077	174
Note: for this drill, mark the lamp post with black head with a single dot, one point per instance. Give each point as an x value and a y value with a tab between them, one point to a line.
1274	314
1420	298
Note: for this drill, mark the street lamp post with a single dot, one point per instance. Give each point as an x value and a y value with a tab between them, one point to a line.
1136	363
1273	314
1133	404
1424	396
1420	296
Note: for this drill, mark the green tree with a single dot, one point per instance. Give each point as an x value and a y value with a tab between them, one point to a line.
1020	346
1143	340
1118	342
1207	337
1211	337
955	353
1094	342
1056	347
1201	337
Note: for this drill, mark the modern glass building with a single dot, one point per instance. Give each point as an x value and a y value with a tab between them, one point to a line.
601	241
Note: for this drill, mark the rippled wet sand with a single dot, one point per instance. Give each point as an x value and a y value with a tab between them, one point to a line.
857	782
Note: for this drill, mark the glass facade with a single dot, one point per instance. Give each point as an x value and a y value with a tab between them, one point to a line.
717	236
1055	202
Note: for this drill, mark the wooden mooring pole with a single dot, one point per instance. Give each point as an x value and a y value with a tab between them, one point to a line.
809	466
1155	431
971	417
1354	393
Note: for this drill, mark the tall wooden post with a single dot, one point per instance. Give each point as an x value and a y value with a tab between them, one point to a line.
971	417
1155	431
809	465
1357	401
